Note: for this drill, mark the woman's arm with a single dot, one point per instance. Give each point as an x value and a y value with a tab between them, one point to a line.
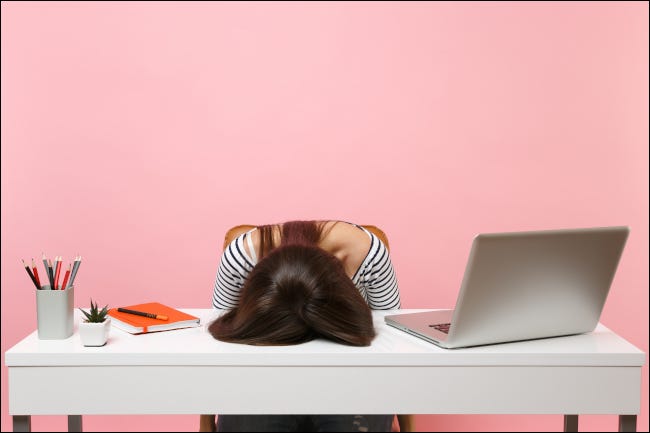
234	267
379	278
207	423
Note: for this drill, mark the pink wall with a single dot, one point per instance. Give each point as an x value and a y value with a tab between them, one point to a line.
136	134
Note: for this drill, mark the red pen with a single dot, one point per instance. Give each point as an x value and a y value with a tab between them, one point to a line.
65	278
57	261
38	280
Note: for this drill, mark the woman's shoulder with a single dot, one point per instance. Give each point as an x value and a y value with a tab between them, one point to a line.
239	247
340	238
349	239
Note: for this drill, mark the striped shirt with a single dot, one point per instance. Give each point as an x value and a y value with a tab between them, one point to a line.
375	278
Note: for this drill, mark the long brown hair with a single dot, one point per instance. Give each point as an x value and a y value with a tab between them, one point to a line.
295	293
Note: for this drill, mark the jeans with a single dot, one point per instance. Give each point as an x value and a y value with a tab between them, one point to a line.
304	423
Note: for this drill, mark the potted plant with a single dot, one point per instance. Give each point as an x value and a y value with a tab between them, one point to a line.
93	330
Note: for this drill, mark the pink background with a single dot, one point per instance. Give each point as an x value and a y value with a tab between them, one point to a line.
136	134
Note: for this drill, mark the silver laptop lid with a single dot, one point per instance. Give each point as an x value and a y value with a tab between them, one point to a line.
527	285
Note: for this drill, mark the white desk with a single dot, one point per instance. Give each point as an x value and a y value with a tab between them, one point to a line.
188	372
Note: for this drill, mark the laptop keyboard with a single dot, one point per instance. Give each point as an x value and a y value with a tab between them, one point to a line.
442	327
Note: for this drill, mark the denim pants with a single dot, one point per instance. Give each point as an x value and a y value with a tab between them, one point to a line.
304	423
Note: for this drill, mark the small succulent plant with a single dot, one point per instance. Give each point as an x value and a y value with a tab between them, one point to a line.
95	315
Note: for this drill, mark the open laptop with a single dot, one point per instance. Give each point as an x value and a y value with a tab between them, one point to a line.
525	285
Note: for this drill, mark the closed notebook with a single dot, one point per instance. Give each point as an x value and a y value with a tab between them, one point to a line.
140	324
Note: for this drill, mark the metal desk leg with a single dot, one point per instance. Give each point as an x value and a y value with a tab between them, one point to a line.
22	422
570	422
74	423
627	423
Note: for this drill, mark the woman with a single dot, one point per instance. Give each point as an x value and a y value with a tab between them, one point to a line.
312	279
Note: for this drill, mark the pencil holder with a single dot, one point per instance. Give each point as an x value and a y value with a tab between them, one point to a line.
54	313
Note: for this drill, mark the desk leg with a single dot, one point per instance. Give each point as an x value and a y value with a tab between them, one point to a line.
74	423
22	423
570	422
627	423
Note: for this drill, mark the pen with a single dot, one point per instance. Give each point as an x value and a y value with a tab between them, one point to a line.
31	275
141	313
57	266
38	280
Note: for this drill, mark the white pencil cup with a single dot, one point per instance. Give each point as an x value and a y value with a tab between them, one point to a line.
54	313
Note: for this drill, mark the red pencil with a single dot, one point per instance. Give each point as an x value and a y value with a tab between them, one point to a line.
65	279
29	271
57	260
38	280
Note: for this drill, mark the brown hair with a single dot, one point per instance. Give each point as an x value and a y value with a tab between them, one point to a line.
295	293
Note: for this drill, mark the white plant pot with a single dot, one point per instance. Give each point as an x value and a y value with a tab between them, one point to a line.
94	334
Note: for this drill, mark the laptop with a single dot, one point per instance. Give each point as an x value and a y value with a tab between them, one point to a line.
523	286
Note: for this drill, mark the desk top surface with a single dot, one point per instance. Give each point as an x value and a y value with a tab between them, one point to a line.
391	347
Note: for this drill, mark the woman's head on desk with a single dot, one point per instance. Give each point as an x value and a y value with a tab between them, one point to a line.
297	292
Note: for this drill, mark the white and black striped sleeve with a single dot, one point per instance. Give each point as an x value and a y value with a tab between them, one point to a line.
379	279
234	267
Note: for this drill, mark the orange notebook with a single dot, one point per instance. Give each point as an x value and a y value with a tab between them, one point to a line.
141	325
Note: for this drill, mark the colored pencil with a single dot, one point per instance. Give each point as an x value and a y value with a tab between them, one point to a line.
50	271
47	270
30	274
75	269
38	280
57	266
65	278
